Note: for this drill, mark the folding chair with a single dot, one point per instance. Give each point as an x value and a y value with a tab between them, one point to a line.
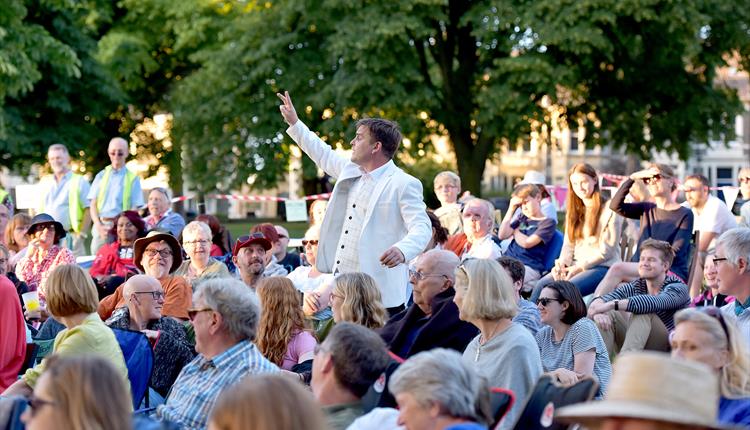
547	397
139	359
30	360
501	400
378	396
553	252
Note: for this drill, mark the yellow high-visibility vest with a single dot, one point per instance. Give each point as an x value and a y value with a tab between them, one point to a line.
129	180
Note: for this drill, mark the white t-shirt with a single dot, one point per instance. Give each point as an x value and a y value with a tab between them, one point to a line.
484	248
714	218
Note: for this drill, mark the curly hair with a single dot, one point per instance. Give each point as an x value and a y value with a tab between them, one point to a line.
362	303
281	317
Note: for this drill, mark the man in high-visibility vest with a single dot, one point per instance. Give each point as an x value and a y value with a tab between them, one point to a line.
6	200
115	189
67	200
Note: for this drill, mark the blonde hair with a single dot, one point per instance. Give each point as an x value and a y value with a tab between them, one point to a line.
79	383
281	318
489	290
69	291
735	375
362	302
447	174
18	219
263	402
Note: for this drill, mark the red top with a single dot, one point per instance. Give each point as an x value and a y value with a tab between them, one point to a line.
108	262
12	334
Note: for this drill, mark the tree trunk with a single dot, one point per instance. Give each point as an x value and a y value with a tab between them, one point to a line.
470	159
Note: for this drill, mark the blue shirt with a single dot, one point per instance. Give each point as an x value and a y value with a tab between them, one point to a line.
534	256
56	202
114	194
734	411
199	384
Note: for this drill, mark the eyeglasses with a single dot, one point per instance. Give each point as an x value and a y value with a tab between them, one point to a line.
309	242
202	242
164	253
247	237
418	276
193	312
116	153
744	180
715	312
719	259
35	403
652	180
544	301
156	295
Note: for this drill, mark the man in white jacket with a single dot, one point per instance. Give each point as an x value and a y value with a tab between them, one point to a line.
376	219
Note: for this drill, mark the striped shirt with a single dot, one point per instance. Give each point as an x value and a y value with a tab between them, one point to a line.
528	316
672	297
198	386
582	336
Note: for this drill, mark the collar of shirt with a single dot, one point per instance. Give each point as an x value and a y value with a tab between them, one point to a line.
226	358
377	173
117	171
64	178
739	308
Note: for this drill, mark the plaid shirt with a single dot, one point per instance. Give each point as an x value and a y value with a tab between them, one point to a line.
196	390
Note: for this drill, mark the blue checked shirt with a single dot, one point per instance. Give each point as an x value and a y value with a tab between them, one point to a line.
199	384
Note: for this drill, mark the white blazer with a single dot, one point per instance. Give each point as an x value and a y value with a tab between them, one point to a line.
396	215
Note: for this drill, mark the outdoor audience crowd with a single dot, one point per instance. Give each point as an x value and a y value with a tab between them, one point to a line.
389	315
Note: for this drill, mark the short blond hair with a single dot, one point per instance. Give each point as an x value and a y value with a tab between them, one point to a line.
448	175
69	291
489	291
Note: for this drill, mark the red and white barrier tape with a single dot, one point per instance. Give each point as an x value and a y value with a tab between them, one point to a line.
253	198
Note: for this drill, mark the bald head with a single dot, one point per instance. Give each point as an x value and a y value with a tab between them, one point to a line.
441	262
118	152
140	284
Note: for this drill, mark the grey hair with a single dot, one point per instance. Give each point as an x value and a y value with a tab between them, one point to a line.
163	191
58	147
439	376
736	244
195	226
235	302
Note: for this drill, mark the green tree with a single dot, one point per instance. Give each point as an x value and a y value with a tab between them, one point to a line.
51	88
475	71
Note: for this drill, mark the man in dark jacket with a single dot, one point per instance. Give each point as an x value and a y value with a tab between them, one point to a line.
432	321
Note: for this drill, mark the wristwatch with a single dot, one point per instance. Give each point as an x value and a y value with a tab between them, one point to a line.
617	305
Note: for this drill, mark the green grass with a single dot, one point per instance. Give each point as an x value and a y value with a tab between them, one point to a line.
238	228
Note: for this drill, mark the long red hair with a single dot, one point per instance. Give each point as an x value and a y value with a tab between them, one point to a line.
280	319
579	219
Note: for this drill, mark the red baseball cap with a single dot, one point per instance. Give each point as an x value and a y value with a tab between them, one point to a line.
247	240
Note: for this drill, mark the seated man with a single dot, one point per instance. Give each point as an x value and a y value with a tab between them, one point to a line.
289	260
732	261
432	320
531	232
711	217
528	313
477	227
225	316
273	268
249	255
161	215
346	364
157	255
172	351
650	303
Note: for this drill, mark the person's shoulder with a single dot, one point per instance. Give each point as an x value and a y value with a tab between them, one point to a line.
583	325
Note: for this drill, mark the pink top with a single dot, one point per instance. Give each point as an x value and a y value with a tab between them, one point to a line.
12	334
302	343
34	270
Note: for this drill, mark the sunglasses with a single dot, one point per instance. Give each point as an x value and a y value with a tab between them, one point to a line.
247	237
715	312
652	180
193	312
544	301
35	403
309	242
116	154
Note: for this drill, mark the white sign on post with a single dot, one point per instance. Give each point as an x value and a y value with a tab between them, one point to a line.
296	210
29	196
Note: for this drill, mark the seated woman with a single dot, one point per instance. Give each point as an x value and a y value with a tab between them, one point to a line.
356	298
12	332
16	238
72	300
267	402
114	261
317	211
592	235
44	253
504	352
709	295
436	389
282	336
18	285
704	335
220	241
172	351
314	285
664	219
570	344
531	232
196	241
82	392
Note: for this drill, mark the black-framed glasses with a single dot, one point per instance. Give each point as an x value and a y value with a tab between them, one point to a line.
544	301
652	180
418	276
311	242
156	295
193	312
719	259
715	312
164	253
35	403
